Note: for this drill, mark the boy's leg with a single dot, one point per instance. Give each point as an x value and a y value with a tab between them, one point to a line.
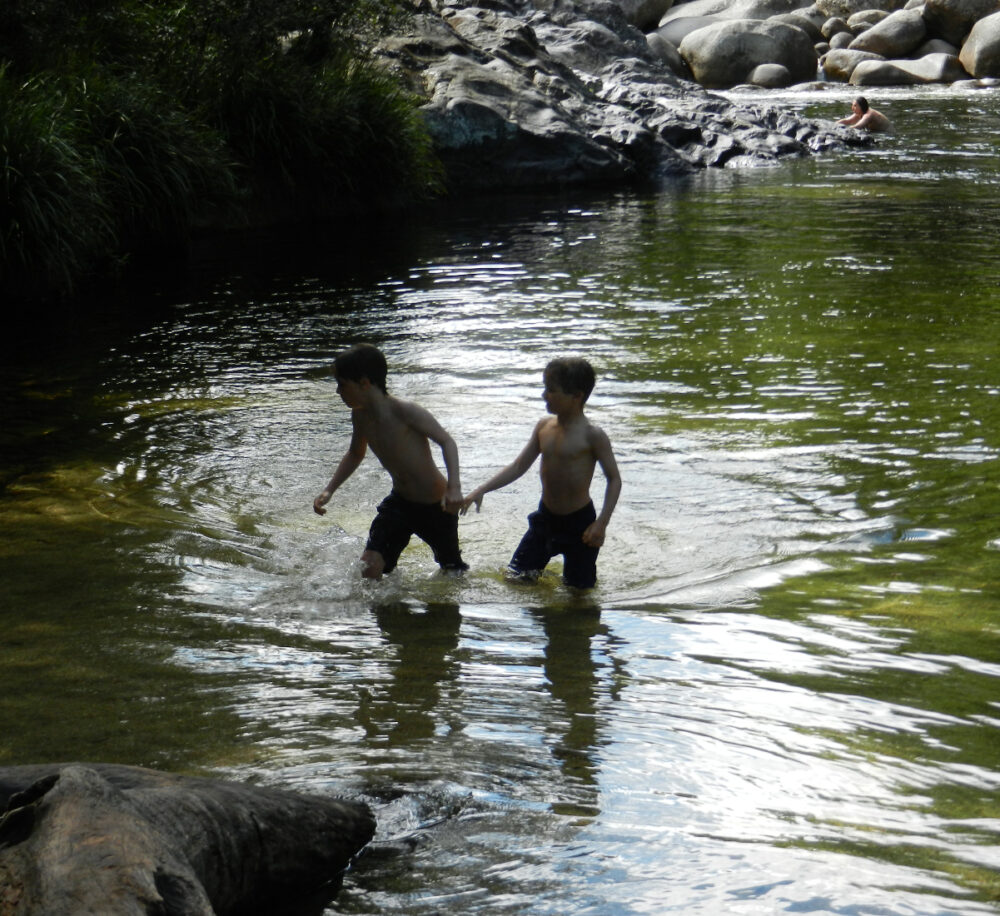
534	551
580	566
579	559
389	534
439	530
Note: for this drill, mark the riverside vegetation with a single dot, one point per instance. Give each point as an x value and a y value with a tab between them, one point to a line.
127	124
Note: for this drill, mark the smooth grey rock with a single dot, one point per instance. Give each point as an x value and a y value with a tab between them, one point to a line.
895	36
839	65
841	40
847	8
722	55
666	53
645	14
770	76
934	68
980	55
800	21
834	26
732	9
862	21
952	20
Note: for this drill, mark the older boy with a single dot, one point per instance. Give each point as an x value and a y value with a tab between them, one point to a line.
399	432
571	447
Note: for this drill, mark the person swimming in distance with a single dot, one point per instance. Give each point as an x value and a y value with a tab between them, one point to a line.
864	117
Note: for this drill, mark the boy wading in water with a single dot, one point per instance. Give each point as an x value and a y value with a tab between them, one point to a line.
571	447
422	501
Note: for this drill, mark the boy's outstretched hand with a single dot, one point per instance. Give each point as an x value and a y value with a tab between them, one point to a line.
473	497
320	501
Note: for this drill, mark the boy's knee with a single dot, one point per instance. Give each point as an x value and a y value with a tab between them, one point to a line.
373	564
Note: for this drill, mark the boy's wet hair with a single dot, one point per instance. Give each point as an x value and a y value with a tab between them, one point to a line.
572	374
363	361
862	104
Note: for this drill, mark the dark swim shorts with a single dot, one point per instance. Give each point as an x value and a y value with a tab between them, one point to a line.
400	518
549	534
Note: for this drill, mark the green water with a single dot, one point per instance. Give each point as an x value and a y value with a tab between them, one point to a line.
781	697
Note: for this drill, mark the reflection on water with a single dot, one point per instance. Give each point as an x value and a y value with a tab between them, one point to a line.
782	695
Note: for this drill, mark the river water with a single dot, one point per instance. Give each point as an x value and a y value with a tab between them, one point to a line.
783	695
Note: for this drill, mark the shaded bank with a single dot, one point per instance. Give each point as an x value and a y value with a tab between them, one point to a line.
129	127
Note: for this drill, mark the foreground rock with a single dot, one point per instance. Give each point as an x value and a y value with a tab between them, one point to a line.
115	840
543	93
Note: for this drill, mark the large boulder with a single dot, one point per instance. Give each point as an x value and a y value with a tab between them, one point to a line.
732	9
838	65
933	68
723	54
125	841
847	8
645	14
676	30
895	36
666	53
952	19
980	55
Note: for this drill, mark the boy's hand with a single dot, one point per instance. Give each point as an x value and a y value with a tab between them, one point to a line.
594	535
452	500
474	497
320	501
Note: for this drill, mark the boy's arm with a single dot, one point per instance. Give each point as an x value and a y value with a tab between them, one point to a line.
508	474
601	444
423	422
348	465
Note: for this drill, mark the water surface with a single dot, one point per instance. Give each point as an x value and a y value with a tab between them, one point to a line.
782	695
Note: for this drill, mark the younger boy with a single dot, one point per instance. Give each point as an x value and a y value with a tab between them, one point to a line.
399	432
566	522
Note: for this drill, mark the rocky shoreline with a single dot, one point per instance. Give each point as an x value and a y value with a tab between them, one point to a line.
531	94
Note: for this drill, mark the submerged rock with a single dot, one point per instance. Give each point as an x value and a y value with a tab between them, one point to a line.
541	93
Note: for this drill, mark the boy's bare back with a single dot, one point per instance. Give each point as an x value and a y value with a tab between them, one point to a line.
399	433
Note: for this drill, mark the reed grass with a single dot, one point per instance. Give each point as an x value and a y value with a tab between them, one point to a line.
128	124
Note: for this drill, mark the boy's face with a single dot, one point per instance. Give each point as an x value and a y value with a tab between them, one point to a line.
351	392
557	401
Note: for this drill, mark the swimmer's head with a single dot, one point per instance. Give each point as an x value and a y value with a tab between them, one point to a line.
862	104
572	374
362	361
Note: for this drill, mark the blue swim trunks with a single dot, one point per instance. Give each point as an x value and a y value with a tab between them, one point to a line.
398	519
549	534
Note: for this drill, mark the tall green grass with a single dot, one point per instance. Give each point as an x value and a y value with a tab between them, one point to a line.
132	123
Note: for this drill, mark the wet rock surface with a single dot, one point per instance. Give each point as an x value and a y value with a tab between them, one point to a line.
541	93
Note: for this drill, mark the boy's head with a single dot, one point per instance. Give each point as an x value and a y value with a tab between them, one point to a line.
572	375
362	361
862	104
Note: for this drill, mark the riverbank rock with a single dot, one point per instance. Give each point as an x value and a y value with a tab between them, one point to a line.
126	841
980	54
896	30
724	54
549	93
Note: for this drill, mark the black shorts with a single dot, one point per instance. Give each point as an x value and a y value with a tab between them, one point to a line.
398	519
549	534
